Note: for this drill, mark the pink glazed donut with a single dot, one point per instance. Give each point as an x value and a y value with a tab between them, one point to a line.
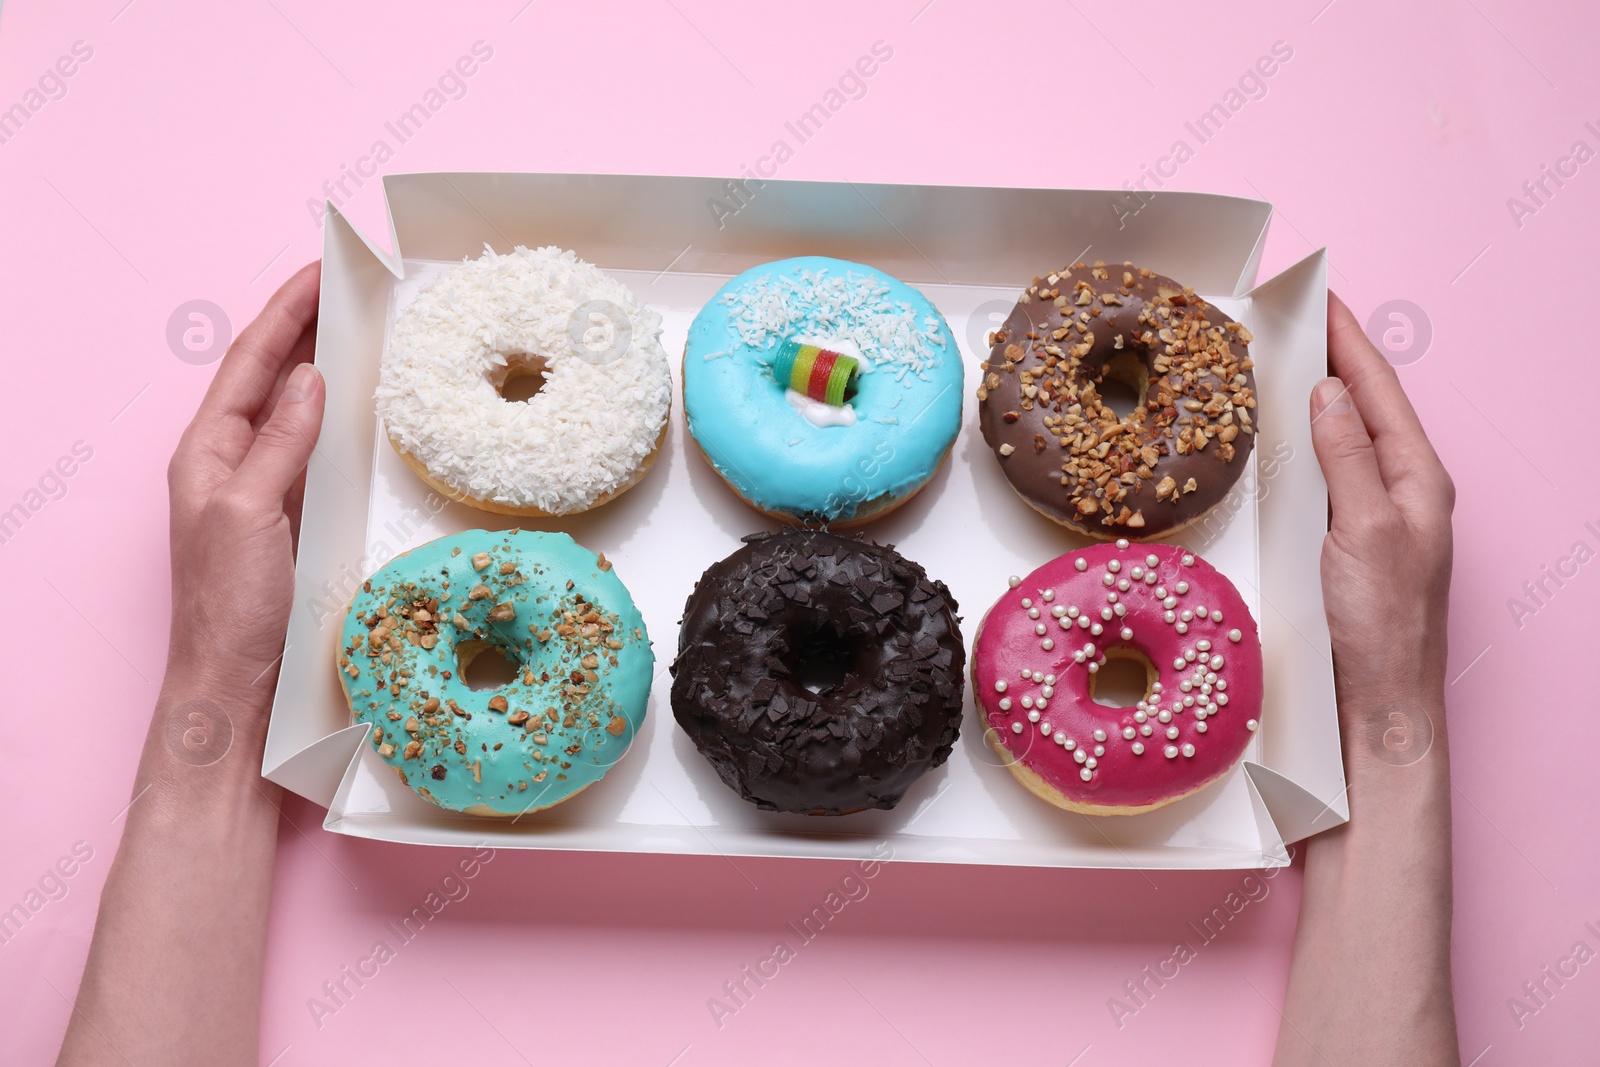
1040	646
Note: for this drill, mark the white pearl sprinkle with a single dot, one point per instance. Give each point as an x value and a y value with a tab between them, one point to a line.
1049	679
1171	752
1172	733
1119	610
1164	715
1188	749
1065	624
1183	627
1108	580
1170	602
1127	633
1182	587
1140	716
1138	574
1147	729
1060	738
1106	613
1091	763
1069	744
1170	617
1072	612
1210	677
1016	727
1122	542
1099	735
1129	733
1048	595
1037	676
1000	686
1099	750
1081	563
1005	703
1188	560
1047	644
1114	566
1216	615
1111	597
1200	727
1086	774
1097	629
1188	655
1216	662
1079	656
1047	692
1083	622
1186	615
1155	687
1200	613
1185	685
1138	748
1203	645
1027	702
1124	585
1251	724
1058	611
1045	728
1027	602
1093	667
1178	663
1235	636
1080	755
1221	684
1039	703
1222	698
1039	629
1033	716
1033	613
1161	592
1188	702
1013	581
1149	577
1152	560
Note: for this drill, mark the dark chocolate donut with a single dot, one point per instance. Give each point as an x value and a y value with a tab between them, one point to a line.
1070	454
819	674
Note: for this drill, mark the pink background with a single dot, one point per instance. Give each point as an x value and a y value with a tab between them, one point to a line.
178	166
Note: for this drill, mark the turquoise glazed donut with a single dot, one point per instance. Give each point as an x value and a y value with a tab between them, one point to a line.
796	456
549	606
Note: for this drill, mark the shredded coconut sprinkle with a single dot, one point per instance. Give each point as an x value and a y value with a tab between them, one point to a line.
854	308
583	435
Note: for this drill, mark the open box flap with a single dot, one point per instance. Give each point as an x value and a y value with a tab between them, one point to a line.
1289	314
356	280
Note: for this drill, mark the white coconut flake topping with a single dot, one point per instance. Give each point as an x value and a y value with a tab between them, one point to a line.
854	309
584	434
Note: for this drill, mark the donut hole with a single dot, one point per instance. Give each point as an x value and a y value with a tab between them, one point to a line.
821	657
481	665
1124	679
524	377
1123	383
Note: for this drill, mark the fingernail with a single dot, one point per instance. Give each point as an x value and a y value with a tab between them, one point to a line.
300	384
1332	397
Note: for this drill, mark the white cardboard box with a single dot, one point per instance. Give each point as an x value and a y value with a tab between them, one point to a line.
675	240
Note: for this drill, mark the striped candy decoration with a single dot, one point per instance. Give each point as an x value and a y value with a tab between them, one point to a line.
817	372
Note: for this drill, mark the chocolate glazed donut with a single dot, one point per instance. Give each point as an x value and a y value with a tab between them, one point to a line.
1067	452
819	674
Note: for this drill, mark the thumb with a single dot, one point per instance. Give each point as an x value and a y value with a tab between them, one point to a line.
285	441
1344	450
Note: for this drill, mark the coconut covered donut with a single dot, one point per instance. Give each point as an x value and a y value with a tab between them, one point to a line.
597	420
1043	405
1041	646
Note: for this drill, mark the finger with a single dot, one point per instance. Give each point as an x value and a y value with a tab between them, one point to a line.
304	351
1406	458
246	375
283	447
1344	450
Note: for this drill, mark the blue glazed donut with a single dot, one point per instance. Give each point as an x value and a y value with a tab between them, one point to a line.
545	603
800	459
